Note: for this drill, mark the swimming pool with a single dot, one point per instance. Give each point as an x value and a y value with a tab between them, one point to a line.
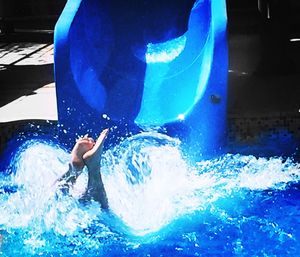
160	204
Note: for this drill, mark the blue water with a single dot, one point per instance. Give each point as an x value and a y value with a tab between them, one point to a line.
160	204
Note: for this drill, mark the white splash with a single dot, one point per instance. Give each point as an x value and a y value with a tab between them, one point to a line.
166	51
149	184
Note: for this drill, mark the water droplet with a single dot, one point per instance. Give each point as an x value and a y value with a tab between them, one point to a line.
181	117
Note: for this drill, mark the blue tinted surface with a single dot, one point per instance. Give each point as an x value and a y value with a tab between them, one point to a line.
141	65
160	205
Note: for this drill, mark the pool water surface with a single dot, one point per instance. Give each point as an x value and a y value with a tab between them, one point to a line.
160	204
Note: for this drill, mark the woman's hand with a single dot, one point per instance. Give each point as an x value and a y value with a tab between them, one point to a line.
92	157
82	146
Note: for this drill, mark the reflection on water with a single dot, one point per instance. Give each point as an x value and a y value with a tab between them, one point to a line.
160	205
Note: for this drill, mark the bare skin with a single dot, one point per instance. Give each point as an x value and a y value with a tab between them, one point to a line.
87	152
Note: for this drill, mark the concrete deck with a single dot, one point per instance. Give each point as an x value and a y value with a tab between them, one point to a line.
40	105
27	83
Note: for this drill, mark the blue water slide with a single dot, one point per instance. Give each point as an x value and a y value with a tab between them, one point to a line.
139	65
